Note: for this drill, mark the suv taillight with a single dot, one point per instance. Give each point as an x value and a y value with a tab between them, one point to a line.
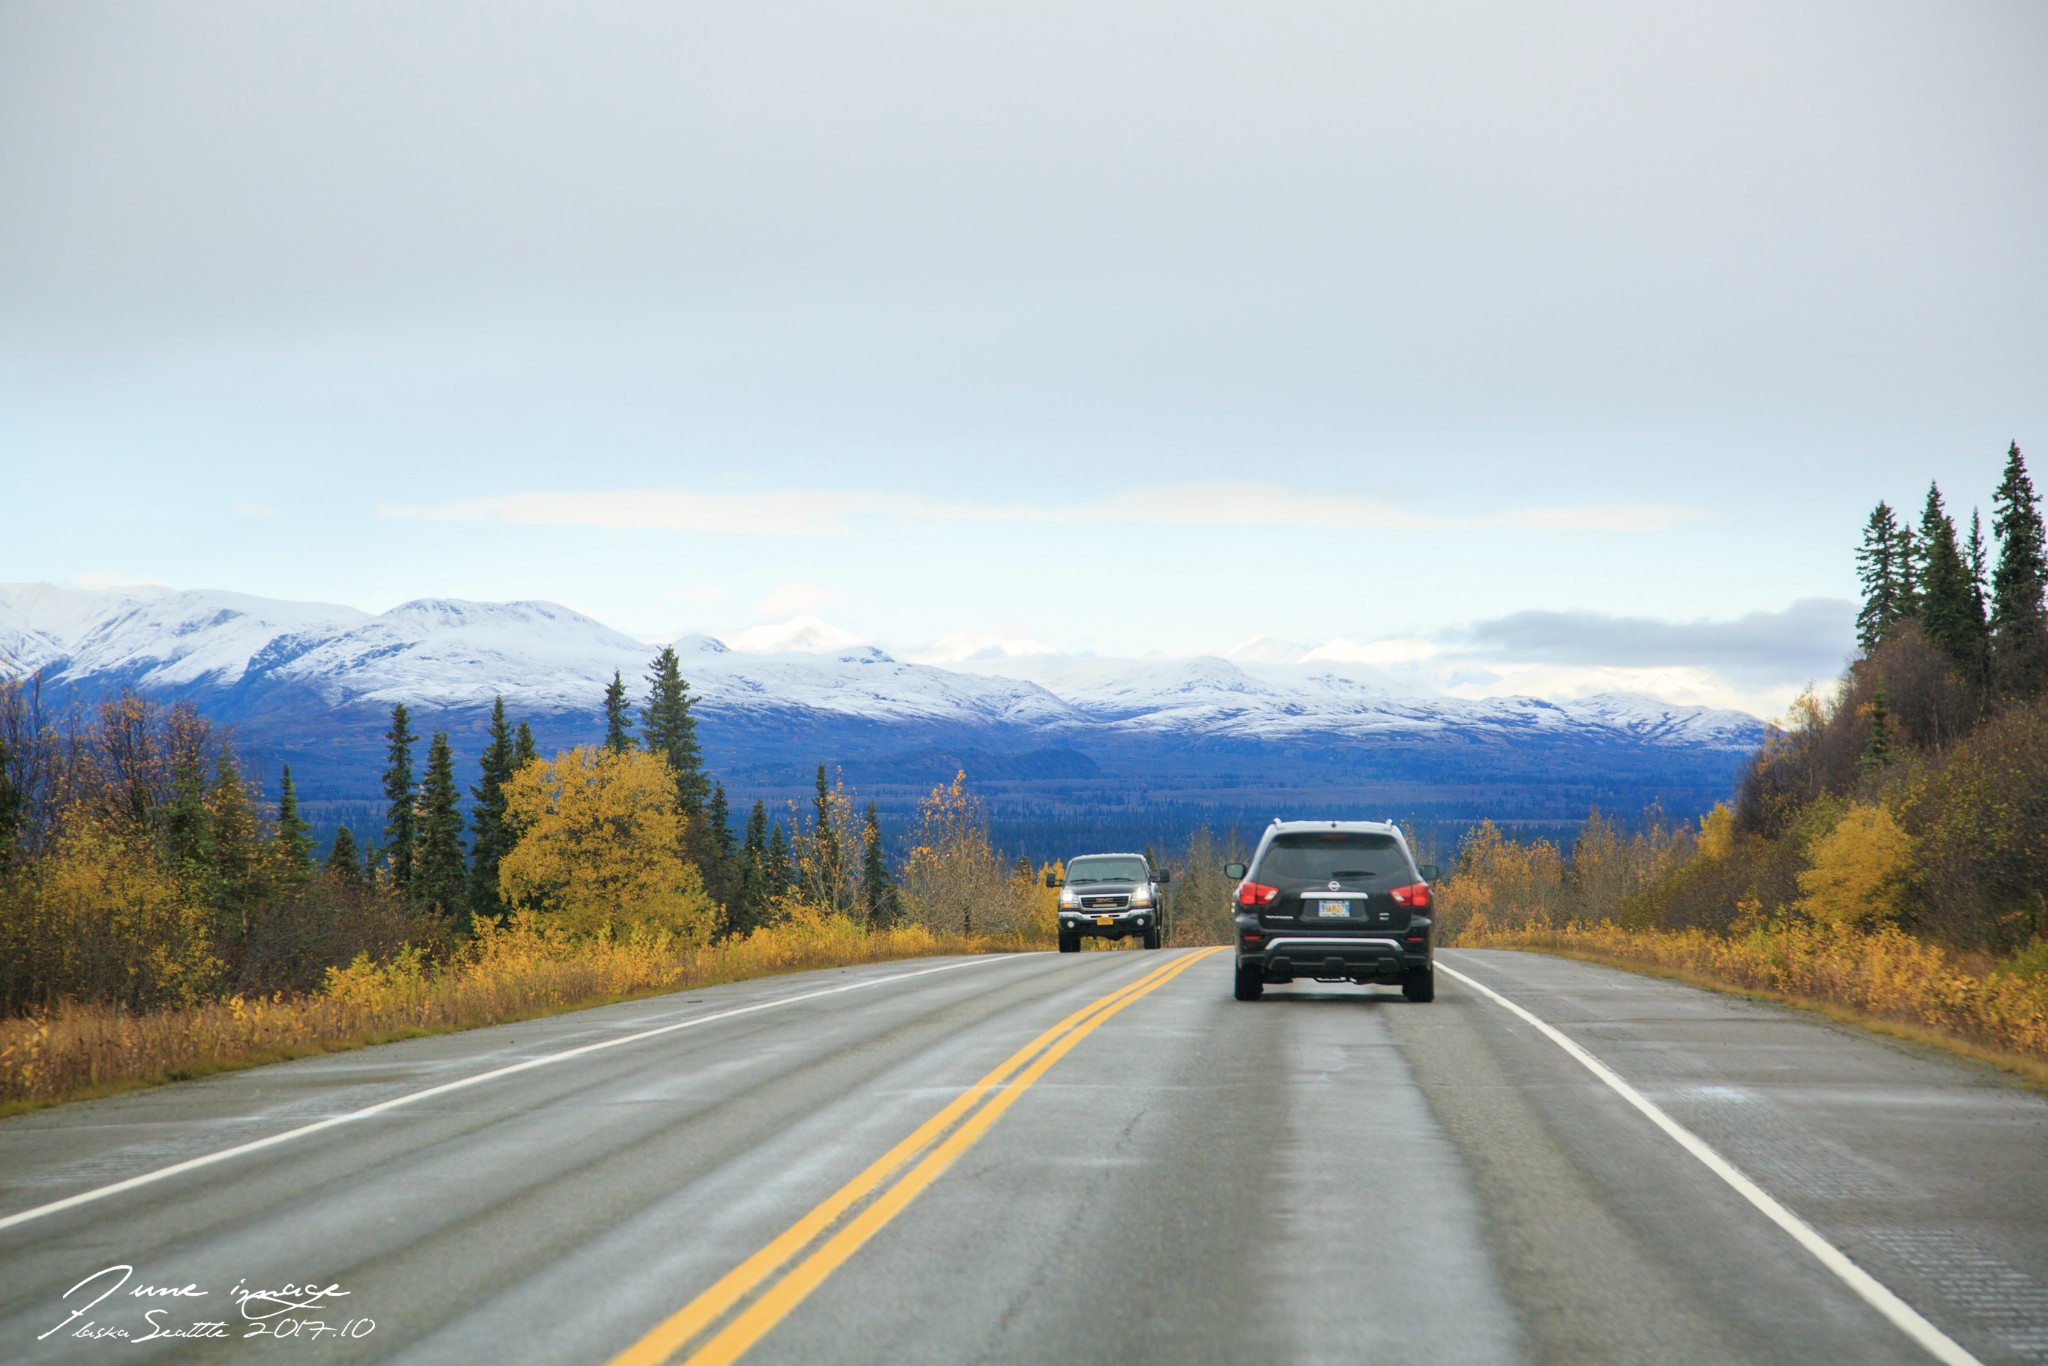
1256	894
1415	896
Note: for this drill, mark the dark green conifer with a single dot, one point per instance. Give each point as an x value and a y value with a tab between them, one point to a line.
750	879
440	881
1883	577
667	728
2019	621
294	836
618	723
490	838
344	861
1877	750
401	836
523	752
232	849
825	831
1947	612
877	889
776	864
188	817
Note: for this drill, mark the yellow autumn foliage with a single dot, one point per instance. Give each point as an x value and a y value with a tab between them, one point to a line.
600	847
128	930
1717	832
1858	870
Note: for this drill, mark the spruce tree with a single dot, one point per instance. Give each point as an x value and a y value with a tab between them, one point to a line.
523	751
344	860
400	831
1910	566
294	836
2019	621
667	728
232	853
1877	750
490	839
188	817
618	724
825	835
750	900
1879	570
776	864
719	864
877	890
440	875
1947	611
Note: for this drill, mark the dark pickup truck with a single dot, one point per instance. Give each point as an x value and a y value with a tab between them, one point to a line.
1110	896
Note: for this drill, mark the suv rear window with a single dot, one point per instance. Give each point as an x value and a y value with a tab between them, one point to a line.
1323	856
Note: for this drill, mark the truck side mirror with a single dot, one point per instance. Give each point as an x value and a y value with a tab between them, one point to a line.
1234	871
1053	879
1163	876
1430	872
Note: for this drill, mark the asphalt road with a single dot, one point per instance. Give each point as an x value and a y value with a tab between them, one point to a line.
968	1164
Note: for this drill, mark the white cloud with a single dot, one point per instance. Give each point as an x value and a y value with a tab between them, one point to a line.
1379	654
817	512
802	634
967	644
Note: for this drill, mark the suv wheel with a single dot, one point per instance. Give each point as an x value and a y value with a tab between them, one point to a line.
1151	936
1069	943
1250	986
1420	985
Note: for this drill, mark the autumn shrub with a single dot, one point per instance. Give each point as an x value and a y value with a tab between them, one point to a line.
532	965
1883	972
600	847
954	882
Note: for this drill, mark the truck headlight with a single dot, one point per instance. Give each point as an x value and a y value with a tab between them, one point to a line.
1141	897
1069	897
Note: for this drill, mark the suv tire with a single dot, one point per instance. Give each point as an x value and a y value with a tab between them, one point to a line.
1250	986
1151	936
1069	943
1420	985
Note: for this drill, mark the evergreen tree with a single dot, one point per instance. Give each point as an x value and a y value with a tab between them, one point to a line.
720	863
440	875
825	830
232	853
523	751
750	900
344	861
617	723
776	865
1910	566
400	832
1947	611
667	728
1883	576
188	815
877	890
489	836
294	836
1877	750
2019	622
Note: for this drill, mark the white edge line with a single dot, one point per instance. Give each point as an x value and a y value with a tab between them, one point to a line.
1902	1315
193	1164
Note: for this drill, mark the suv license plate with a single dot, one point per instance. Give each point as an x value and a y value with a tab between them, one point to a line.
1105	920
1334	910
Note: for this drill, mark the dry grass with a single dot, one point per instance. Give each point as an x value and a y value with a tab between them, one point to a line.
515	973
1882	979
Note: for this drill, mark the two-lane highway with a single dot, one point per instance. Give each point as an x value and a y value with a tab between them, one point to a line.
1065	1159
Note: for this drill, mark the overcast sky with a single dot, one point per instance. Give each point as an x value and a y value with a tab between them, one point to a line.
1577	338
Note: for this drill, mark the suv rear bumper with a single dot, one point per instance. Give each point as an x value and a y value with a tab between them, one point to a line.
1084	924
1334	958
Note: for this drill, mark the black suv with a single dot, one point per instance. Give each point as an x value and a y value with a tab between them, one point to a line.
1110	896
1336	901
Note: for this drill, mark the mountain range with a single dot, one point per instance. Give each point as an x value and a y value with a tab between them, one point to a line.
312	684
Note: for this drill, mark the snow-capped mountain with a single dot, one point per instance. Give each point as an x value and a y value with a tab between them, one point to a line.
450	654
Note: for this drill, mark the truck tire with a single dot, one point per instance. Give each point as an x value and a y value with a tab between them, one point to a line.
1069	943
1250	986
1152	936
1420	985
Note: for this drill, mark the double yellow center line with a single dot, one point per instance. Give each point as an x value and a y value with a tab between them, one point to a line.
933	1147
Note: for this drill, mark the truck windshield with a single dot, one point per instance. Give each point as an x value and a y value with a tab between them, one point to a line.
1320	856
1122	869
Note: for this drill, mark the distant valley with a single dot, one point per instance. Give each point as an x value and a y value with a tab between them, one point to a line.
1077	749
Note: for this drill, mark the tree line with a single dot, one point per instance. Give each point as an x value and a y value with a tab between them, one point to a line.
1912	795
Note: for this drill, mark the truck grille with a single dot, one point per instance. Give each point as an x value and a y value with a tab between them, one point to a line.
1105	903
